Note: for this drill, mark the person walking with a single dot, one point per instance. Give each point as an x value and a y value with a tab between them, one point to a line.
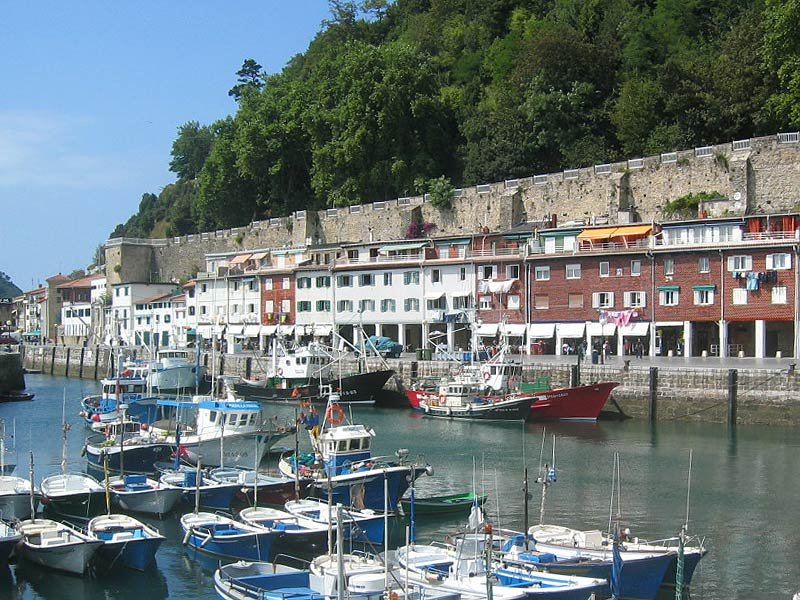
639	349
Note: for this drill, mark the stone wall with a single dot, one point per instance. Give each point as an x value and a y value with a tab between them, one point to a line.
11	375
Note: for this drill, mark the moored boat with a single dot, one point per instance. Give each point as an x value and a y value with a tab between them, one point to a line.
56	545
126	541
73	495
579	403
297	534
214	495
223	537
449	504
259	488
9	538
139	493
15	497
357	525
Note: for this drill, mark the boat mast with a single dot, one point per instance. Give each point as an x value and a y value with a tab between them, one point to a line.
33	494
65	429
296	457
105	481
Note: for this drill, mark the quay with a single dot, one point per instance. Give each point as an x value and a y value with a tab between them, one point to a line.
712	390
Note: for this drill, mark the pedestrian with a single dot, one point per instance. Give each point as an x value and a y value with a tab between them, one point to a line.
606	350
639	349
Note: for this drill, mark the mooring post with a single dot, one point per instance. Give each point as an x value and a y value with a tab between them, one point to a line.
733	386
248	365
574	376
52	359
96	360
66	367
653	392
414	370
80	368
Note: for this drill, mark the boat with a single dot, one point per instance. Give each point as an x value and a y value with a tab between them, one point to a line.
357	525
297	534
214	494
578	403
56	545
260	488
73	495
342	460
129	445
125	541
459	400
15	497
306	374
9	538
16	396
450	504
174	370
223	537
138	493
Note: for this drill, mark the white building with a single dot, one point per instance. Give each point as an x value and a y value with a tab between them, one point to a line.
124	298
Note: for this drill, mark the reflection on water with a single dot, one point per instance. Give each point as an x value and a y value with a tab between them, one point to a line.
743	500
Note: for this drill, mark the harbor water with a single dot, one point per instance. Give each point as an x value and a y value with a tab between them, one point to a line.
743	501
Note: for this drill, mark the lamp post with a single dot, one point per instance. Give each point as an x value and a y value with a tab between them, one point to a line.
602	319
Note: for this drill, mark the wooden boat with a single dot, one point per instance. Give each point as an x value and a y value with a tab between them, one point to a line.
126	541
139	493
16	396
267	488
57	545
73	495
297	534
136	448
440	505
214	495
458	401
357	525
15	497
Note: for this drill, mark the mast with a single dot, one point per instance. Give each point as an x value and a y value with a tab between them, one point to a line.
296	458
33	494
65	429
105	481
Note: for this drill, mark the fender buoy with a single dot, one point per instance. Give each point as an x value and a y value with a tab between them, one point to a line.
295	393
334	414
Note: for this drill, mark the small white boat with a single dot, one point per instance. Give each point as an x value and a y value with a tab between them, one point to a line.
56	545
357	525
223	537
139	493
126	541
15	497
297	534
74	494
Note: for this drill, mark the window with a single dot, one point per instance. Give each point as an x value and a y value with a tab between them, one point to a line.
388	305
668	297
462	274
779	294
703	265
235	286
344	306
304	306
387	279
436	303
286	306
512	272
191	311
779	262
462	302
324	281
541	301
203	287
234	309
268	284
605	269
542	273
323	305
436	276
344	281
352	255
303	283
636	268
366	279
634	299
705	296
574	271
251	308
513	302
287	283
669	266
269	306
487	272
411	278
575	300
366	305
740	263
251	285
203	309
602	299
485	302
739	295
411	305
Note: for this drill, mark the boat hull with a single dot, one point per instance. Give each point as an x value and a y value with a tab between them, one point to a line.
16	506
361	388
157	501
238	450
83	504
581	403
175	379
225	540
139	458
505	410
443	505
73	558
137	554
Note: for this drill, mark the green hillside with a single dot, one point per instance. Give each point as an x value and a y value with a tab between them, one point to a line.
7	287
389	96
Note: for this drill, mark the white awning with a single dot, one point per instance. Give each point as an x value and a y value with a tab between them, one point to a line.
269	329
285	329
488	329
204	330
513	329
401	247
541	330
640	329
235	329
252	330
570	330
433	295
461	294
599	330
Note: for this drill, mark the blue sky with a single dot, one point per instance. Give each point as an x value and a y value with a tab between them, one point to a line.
92	96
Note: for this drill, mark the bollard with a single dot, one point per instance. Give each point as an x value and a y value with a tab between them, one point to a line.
733	384
653	392
66	367
80	366
414	370
52	359
779	354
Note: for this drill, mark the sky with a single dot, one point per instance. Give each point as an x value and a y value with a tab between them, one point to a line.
92	97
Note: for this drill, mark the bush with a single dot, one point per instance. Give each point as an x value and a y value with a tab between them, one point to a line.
686	206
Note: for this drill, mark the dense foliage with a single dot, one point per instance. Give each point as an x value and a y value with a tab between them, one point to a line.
7	287
389	94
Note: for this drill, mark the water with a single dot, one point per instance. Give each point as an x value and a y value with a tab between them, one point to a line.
743	498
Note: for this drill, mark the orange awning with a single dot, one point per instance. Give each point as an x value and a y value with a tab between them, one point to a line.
597	234
632	230
239	259
259	256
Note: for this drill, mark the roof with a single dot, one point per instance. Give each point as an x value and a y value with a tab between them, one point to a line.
156	298
57	278
81	282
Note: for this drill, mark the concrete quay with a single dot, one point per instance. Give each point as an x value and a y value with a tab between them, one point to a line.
732	390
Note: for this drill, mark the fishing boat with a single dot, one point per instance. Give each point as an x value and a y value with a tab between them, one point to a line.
214	494
450	504
357	525
125	541
255	487
297	534
175	370
128	387
342	461
138	493
458	400
223	537
307	373
73	495
578	403
15	497
56	545
9	538
130	445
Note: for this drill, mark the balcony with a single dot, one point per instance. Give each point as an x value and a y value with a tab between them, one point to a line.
778	238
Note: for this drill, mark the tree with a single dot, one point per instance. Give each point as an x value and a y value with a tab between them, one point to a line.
249	77
781	52
190	150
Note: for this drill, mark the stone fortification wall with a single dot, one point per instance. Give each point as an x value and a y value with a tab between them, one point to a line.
761	175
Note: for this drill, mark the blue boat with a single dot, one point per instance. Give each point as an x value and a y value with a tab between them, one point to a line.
137	451
129	388
347	466
214	495
357	526
126	541
223	537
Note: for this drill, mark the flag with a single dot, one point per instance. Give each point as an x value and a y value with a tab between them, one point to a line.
616	571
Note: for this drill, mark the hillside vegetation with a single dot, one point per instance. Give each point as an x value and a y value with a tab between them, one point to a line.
391	96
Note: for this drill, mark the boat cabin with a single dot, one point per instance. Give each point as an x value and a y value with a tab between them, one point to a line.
344	445
309	362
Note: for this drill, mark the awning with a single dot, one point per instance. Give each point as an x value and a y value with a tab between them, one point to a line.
234	329
632	230
285	329
269	329
596	234
669	288
541	330
513	329
252	330
433	295
240	259
570	330
704	288
191	331
559	233
640	329
204	330
399	247
259	256
33	333
599	330
321	330
488	329
461	294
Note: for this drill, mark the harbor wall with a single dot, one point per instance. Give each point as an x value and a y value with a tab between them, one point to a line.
11	376
756	396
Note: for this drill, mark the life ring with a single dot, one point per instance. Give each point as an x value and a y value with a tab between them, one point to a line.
486	375
295	392
279	372
334	414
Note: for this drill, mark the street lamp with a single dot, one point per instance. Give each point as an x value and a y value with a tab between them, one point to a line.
602	319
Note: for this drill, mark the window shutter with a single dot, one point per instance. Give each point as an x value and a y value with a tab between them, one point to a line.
596	300
644	299
626	299
770	261
730	263
610	299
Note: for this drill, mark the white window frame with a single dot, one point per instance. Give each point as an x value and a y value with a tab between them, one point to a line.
605	268
740	262
411	305
366	305
388	305
512	302
343	281
573	271
366	280
703	264
344	306
323	306
485	302
490	269
512	271
779	262
669	266
268	284
287	283
779	294
703	297
603	300
668	297
572	295
635	299
387	279
636	268
411	278
462	274
542	273
739	296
